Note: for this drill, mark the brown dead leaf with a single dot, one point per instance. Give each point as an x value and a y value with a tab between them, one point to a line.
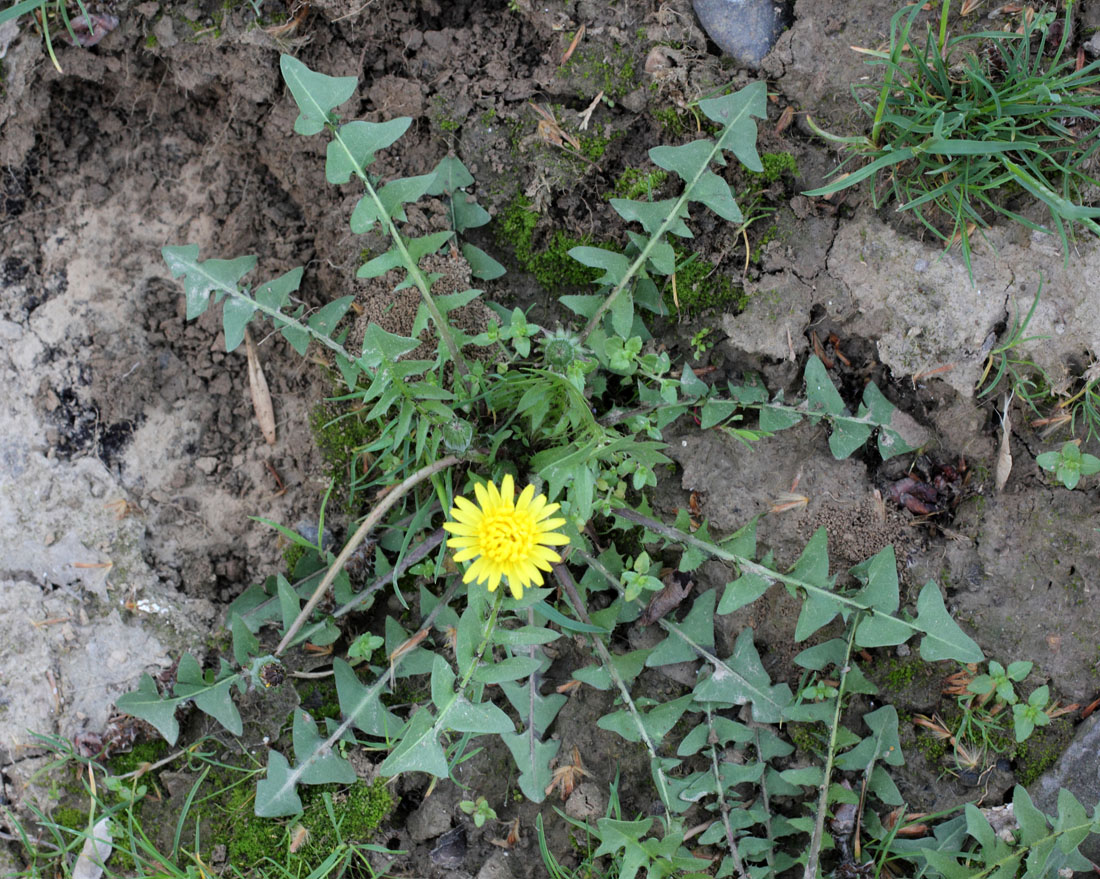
785	119
787	501
1004	453
573	45
565	777
261	396
668	599
511	839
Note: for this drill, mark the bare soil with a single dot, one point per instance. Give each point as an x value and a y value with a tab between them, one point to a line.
131	464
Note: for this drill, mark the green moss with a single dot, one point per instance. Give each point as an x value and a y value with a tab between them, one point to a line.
775	166
319	698
635	184
1042	750
143	752
701	286
150	41
551	266
671	121
614	74
593	147
292	554
339	434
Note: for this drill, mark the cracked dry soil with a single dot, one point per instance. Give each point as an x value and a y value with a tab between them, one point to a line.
130	461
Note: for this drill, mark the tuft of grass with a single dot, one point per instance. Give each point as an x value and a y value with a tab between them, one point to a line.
962	124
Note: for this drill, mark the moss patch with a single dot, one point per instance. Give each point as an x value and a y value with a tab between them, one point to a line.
614	73
551	265
701	286
340	433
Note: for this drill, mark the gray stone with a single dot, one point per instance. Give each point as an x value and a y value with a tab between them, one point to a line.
432	819
743	29
496	867
1077	770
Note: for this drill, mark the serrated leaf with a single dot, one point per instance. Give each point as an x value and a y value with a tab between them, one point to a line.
200	279
882	745
626	835
1033	823
236	313
389	204
319	765
628	665
725	731
532	758
214	699
735	113
538	713
614	264
657	722
622	313
245	644
774	418
652	214
146	703
848	436
890	442
380	346
879	576
315	93
362	704
741	680
356	143
324	321
1072	822
275	793
697	628
276	293
466	717
943	639
744	590
715	412
419	749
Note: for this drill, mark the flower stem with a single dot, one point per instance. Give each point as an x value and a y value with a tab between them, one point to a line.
489	627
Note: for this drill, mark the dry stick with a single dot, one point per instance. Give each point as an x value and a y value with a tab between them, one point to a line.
407	561
375	516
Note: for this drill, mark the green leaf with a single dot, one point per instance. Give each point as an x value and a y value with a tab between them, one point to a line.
236	313
390	202
324	766
419	749
614	264
381	347
537	712
355	144
532	758
652	214
943	639
697	629
485	717
275	793
715	412
821	394
622	314
734	112
482	265
626	835
883	745
511	669
200	279
524	636
691	386
656	723
324	321
890	442
146	703
1033	823
363	704
1072	821
315	94
741	680
214	698
245	644
879	576
449	176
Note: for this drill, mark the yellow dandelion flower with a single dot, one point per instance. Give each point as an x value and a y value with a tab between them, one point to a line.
506	538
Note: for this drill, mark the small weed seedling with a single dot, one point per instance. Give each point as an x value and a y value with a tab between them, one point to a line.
479	809
1069	464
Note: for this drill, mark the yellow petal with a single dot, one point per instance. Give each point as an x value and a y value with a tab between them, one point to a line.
466	554
494	580
525	498
482	494
517	589
508	491
547	510
553	538
460	528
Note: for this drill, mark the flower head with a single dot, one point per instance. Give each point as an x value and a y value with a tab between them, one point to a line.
505	537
